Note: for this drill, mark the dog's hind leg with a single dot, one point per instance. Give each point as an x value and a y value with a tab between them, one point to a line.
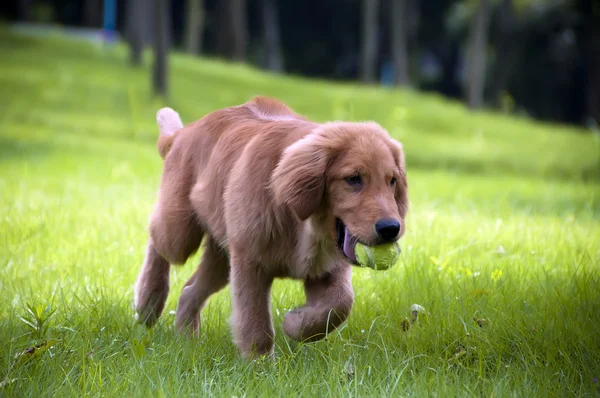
328	304
152	286
175	235
210	277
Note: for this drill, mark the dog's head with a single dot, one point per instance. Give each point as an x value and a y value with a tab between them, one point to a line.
351	178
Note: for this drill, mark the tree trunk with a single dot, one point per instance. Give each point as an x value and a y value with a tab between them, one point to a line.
149	18
223	20
161	47
23	8
449	55
594	73
477	55
194	26
413	19
506	50
369	40
135	31
591	51
92	13
272	38
399	42
239	30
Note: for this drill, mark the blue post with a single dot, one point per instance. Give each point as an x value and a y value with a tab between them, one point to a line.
110	18
387	73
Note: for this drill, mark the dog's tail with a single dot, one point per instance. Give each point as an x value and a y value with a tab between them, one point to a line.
169	123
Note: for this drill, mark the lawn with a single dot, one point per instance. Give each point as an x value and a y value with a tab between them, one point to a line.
502	248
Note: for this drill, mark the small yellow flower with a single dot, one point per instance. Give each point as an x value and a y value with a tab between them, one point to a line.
497	275
467	272
481	292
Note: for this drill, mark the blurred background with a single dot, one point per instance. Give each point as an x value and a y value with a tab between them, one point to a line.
535	57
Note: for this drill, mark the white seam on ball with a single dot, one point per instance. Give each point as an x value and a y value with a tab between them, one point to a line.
370	255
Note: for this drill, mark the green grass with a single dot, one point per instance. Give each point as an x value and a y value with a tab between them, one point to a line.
504	226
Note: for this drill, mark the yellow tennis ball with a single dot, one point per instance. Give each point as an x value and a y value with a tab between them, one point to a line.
379	258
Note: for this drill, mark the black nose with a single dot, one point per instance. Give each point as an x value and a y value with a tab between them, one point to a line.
387	229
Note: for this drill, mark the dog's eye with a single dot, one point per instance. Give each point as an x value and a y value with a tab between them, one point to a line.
393	181
354	180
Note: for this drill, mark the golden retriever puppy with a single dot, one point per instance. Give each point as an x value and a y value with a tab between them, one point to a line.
272	195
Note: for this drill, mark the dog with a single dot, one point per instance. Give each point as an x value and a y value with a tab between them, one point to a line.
271	194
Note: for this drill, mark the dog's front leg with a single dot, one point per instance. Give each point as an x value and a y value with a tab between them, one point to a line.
329	301
252	325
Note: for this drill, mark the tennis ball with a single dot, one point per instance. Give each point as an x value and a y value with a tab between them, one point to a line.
379	258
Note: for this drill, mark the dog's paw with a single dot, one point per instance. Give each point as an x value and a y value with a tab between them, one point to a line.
310	323
187	327
187	315
149	305
295	324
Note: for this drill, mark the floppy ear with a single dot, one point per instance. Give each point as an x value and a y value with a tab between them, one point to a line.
401	192
298	181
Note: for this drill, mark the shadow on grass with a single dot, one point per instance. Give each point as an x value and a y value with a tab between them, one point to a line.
12	149
15	41
590	173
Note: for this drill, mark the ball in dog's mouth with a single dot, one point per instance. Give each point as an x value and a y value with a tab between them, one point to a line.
380	257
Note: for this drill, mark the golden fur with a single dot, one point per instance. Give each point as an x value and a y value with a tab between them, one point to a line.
263	187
